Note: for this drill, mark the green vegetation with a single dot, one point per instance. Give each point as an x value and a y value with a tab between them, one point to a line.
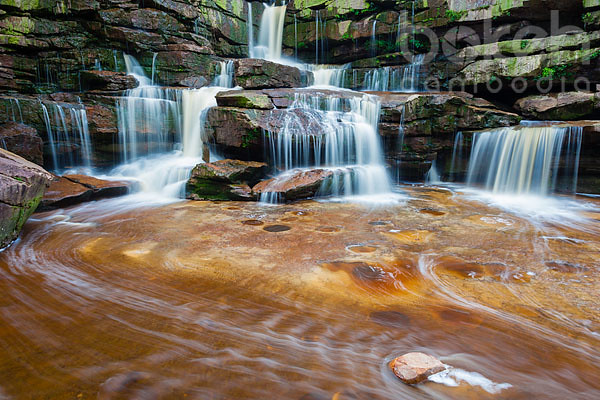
454	16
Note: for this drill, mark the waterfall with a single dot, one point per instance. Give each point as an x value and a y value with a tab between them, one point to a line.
160	133
374	39
330	75
68	136
457	155
250	31
403	79
154	69
149	117
225	77
14	111
270	36
432	176
333	133
525	159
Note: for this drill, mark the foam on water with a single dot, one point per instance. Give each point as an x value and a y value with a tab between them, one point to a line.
455	376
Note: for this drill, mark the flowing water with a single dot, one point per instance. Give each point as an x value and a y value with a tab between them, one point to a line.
404	79
68	136
208	300
333	133
270	35
161	132
525	159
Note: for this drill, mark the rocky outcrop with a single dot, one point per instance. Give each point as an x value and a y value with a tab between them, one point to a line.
107	81
22	185
225	180
413	368
428	121
22	140
296	185
566	106
69	190
261	74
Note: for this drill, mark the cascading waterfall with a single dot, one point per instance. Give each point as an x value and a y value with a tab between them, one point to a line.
270	36
225	77
333	133
14	111
330	75
68	136
250	31
526	160
149	117
160	133
457	155
403	79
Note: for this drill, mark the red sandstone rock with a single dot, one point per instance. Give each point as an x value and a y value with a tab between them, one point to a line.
299	184
414	368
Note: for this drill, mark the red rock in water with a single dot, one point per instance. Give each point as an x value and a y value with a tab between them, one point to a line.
414	368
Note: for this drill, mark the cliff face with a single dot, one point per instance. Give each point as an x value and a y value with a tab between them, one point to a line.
44	44
50	52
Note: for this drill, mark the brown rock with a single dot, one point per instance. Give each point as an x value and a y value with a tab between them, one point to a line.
101	188
63	193
253	73
225	180
22	140
108	81
294	185
559	106
414	368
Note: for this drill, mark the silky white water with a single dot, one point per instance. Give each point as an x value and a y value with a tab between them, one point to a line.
270	35
525	160
160	133
338	134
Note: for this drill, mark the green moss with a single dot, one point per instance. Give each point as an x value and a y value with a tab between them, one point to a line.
251	137
454	16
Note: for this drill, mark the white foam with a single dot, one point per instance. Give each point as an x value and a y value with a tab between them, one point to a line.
453	377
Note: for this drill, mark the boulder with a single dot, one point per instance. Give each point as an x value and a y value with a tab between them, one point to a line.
565	106
254	73
225	180
413	368
70	190
108	81
194	82
102	188
22	185
64	193
295	184
22	140
245	99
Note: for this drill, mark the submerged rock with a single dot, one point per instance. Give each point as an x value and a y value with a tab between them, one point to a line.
414	368
225	180
22	140
566	106
22	185
295	185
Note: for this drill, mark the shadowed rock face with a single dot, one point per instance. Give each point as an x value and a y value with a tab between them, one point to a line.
560	106
22	140
22	185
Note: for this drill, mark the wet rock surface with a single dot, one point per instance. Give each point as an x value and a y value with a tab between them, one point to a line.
300	184
254	73
225	180
68	190
22	140
413	368
22	185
